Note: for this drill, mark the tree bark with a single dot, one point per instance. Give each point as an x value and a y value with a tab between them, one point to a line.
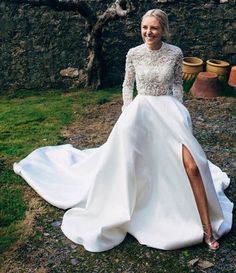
94	66
95	24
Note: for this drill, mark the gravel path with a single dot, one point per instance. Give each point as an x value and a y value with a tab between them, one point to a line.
48	251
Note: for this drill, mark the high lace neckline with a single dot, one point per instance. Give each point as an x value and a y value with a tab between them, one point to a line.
154	50
156	72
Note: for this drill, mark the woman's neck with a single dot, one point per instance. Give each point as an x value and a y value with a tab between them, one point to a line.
154	47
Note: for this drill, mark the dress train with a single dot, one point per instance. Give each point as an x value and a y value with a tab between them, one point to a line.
135	182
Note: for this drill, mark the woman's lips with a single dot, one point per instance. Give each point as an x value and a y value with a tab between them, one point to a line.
149	38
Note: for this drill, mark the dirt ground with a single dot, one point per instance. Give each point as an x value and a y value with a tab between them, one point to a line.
48	251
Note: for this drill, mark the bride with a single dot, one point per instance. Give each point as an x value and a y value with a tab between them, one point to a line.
151	177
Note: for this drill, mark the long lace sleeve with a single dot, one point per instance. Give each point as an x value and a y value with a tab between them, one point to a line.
177	84
128	84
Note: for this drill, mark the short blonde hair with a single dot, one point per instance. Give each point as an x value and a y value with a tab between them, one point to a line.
162	17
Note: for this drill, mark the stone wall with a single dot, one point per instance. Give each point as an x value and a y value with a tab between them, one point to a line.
36	43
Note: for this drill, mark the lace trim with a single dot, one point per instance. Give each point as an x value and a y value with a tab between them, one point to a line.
157	72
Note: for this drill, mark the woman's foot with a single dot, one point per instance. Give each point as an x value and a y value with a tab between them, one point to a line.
211	242
209	239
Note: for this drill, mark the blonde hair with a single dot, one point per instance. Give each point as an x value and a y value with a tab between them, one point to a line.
162	17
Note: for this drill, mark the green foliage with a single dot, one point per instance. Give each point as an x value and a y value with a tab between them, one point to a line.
9	235
226	90
187	85
102	100
30	119
11	209
7	176
185	253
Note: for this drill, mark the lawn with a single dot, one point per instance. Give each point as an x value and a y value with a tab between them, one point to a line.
30	119
30	236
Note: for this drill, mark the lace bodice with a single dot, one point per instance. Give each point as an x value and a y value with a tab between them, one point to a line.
156	72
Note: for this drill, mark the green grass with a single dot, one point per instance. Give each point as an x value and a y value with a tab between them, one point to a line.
7	207
30	119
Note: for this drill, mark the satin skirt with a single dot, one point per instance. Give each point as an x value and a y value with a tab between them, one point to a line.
134	183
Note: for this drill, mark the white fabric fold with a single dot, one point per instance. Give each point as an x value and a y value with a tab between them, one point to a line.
134	183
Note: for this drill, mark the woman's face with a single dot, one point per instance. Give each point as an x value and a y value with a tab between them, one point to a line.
151	32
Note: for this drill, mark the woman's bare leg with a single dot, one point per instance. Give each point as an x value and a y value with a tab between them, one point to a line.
200	196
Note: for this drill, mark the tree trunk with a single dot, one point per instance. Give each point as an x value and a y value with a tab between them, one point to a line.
94	63
95	23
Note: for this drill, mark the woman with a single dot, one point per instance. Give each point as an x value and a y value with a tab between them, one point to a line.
151	178
157	67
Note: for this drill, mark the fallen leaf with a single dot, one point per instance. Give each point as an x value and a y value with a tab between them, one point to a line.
193	262
205	264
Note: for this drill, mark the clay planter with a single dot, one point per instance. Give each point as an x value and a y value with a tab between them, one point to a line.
206	85
221	68
232	77
191	66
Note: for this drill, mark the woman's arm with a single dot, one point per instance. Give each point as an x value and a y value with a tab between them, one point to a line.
178	82
128	84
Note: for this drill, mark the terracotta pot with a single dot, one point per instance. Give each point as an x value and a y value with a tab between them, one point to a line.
191	67
221	68
206	85
232	77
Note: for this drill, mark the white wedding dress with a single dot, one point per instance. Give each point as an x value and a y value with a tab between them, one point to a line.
135	182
